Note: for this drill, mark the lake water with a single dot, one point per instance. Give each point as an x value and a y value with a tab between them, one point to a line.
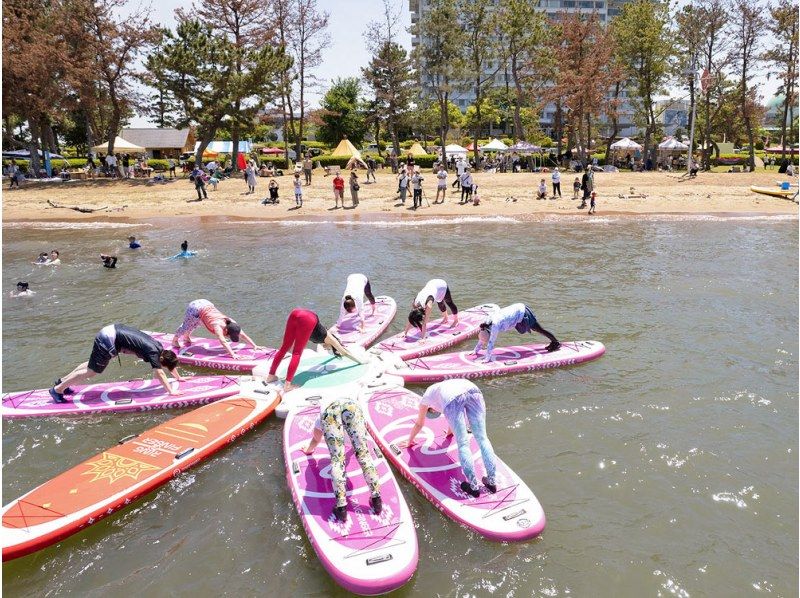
667	467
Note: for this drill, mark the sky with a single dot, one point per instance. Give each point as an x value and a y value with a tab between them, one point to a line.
347	54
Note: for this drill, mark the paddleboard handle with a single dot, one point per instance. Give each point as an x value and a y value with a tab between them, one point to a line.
123	401
511	362
314	399
183	453
295	467
262	392
511	516
395	448
127	438
381	558
187	353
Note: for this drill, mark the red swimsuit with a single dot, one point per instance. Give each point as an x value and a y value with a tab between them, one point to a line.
300	326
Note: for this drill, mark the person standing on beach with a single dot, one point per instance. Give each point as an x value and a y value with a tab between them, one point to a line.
371	164
393	162
338	189
518	316
576	188
441	184
402	185
587	184
298	191
354	187
556	176
592	204
199	183
416	185
250	175
109	343
307	168
14	173
171	165
466	186
460	167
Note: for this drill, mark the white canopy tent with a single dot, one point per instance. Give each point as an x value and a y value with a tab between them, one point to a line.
455	150
120	145
495	145
626	144
672	144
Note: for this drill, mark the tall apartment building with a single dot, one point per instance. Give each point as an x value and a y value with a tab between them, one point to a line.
605	10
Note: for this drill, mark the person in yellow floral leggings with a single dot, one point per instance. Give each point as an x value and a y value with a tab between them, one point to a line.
338	416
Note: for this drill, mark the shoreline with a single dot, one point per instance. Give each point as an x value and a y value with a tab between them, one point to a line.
653	194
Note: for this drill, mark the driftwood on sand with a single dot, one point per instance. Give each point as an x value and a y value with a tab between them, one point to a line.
77	208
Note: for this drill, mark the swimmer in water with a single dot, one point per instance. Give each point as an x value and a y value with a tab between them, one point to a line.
518	316
353	300
53	260
435	291
22	290
109	261
184	251
303	326
202	311
42	259
110	342
133	243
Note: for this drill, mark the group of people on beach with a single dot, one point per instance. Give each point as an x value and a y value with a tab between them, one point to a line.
460	401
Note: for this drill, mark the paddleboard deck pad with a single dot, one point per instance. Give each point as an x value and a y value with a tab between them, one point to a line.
130	395
374	326
507	360
209	353
113	479
513	513
367	554
439	336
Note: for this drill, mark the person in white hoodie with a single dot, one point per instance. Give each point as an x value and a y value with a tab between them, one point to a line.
556	176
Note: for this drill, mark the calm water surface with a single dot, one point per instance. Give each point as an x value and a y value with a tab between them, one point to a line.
668	467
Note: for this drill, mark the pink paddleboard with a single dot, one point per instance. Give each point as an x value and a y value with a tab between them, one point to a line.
507	360
209	353
374	326
432	465
439	336
130	395
368	554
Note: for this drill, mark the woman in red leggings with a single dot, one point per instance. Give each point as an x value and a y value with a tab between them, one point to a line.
303	325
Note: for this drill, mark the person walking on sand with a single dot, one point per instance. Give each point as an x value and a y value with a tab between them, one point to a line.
250	175
338	190
354	187
15	174
371	164
298	192
199	183
556	176
307	168
462	403
592	204
435	291
416	185
441	184
576	188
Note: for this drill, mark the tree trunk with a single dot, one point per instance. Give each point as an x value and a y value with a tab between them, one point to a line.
235	143
558	130
519	130
33	146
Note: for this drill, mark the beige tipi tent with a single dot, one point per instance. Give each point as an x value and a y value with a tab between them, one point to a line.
120	145
417	150
345	148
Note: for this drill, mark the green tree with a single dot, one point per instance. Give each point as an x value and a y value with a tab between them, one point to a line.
477	117
645	46
200	70
783	57
440	63
523	31
342	114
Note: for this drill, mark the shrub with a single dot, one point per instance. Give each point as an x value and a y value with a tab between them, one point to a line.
425	160
276	161
601	157
157	164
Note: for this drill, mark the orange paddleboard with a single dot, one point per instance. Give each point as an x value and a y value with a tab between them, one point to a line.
137	465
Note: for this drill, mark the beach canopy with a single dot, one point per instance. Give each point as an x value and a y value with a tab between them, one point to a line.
272	151
672	144
495	145
524	146
120	145
224	147
416	150
625	144
345	148
454	148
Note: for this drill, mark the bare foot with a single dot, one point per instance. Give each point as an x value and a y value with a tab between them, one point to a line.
454	324
289	387
272	378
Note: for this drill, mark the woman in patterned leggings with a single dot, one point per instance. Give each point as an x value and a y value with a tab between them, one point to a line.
337	417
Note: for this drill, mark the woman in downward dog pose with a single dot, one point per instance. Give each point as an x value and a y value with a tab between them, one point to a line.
435	291
516	315
336	417
202	311
303	326
353	300
459	399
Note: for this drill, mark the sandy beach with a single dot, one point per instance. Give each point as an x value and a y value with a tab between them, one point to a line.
710	193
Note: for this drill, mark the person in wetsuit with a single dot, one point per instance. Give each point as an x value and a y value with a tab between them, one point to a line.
109	343
518	316
435	291
302	326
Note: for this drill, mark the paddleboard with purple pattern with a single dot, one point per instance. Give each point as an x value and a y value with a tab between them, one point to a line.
374	326
507	360
368	554
130	395
439	336
209	353
513	513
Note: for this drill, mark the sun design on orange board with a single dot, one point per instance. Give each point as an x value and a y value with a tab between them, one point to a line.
113	467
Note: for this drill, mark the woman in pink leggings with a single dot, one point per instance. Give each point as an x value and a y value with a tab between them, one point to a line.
301	326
